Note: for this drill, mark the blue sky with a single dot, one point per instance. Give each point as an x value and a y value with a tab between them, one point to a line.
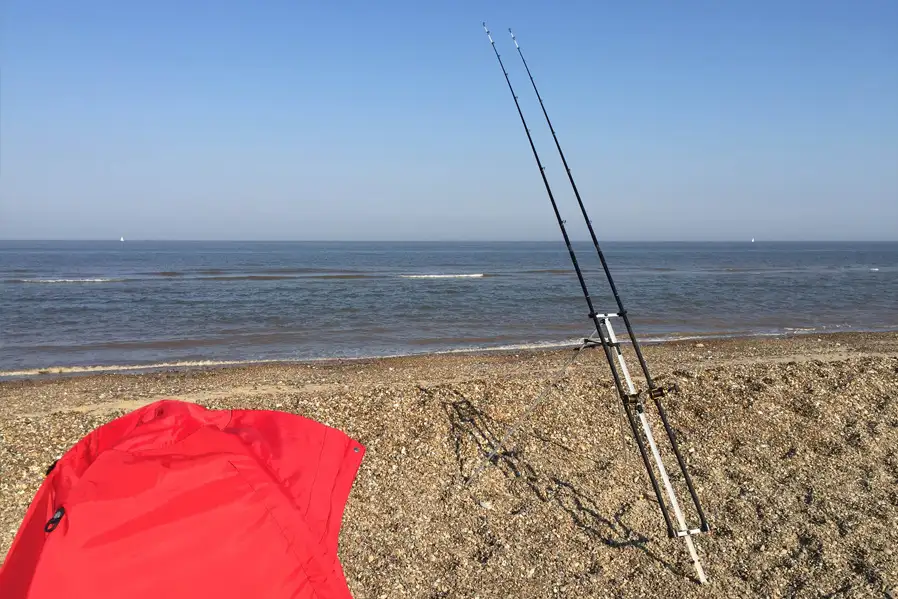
391	120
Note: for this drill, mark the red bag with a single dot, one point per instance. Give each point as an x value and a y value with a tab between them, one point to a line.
174	500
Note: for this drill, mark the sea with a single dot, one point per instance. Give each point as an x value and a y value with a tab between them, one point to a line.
147	303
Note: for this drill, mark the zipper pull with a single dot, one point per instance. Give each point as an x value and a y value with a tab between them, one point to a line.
53	522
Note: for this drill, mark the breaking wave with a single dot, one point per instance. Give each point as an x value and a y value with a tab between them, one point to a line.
48	281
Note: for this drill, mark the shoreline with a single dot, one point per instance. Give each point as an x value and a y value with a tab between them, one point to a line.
50	372
792	443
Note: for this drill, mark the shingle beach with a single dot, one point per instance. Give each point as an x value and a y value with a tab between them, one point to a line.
792	443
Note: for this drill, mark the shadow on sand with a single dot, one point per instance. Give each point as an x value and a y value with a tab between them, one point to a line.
468	422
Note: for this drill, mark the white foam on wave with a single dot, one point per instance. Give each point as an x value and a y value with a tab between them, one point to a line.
514	347
67	280
447	276
98	369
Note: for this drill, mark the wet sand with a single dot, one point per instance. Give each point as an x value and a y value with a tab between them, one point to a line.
792	443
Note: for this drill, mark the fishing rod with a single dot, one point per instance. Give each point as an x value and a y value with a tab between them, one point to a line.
592	312
634	407
655	395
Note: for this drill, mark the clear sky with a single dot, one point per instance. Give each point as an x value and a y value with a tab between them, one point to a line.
391	120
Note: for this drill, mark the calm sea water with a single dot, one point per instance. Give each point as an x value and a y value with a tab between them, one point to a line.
87	303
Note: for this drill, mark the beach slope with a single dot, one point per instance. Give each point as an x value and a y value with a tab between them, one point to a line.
792	443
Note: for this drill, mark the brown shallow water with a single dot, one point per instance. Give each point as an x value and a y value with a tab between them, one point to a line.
792	442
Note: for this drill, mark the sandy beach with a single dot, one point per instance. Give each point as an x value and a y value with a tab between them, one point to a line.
792	443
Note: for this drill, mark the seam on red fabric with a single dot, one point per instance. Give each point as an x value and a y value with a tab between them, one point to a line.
139	421
280	528
202	425
330	509
317	470
230	418
268	467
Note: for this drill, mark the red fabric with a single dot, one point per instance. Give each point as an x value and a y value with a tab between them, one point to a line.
174	500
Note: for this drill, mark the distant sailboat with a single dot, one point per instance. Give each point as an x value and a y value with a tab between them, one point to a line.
123	239
752	239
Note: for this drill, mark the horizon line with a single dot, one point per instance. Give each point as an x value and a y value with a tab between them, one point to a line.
560	241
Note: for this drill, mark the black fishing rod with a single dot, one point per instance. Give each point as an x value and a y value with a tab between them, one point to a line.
654	393
592	312
633	404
